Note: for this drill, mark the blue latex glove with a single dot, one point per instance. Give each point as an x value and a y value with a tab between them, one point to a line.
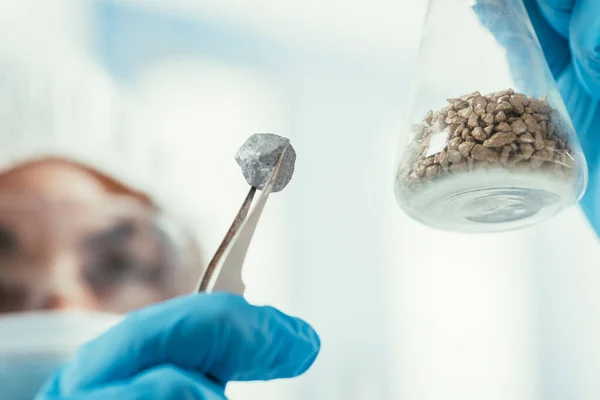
569	31
187	348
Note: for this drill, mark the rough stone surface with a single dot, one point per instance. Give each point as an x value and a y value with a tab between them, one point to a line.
258	157
500	139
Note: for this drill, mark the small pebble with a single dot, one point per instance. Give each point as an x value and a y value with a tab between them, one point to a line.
258	157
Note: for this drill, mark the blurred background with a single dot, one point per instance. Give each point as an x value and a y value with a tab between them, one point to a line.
404	311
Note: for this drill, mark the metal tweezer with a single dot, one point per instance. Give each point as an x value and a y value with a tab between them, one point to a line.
229	257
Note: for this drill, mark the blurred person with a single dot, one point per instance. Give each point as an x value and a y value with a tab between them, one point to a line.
80	226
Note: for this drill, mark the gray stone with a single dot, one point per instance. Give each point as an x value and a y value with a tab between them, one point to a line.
258	157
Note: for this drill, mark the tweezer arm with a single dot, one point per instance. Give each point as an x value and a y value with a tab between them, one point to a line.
206	282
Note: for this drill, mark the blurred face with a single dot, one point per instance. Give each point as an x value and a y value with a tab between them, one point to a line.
71	238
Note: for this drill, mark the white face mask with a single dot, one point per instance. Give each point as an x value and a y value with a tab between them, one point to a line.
34	345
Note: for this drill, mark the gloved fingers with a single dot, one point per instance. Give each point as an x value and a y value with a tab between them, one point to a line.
218	335
558	14
554	45
166	382
585	44
495	17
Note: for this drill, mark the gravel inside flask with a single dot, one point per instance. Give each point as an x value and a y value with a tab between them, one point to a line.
505	130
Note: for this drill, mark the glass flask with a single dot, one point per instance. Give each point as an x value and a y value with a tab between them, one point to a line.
488	144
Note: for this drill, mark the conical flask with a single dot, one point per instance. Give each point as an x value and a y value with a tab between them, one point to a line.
488	144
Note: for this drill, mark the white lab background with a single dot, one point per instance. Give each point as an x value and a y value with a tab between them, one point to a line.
404	312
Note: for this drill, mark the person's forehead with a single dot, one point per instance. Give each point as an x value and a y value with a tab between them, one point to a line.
56	179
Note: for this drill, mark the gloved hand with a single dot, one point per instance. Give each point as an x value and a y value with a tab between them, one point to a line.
187	348
569	31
